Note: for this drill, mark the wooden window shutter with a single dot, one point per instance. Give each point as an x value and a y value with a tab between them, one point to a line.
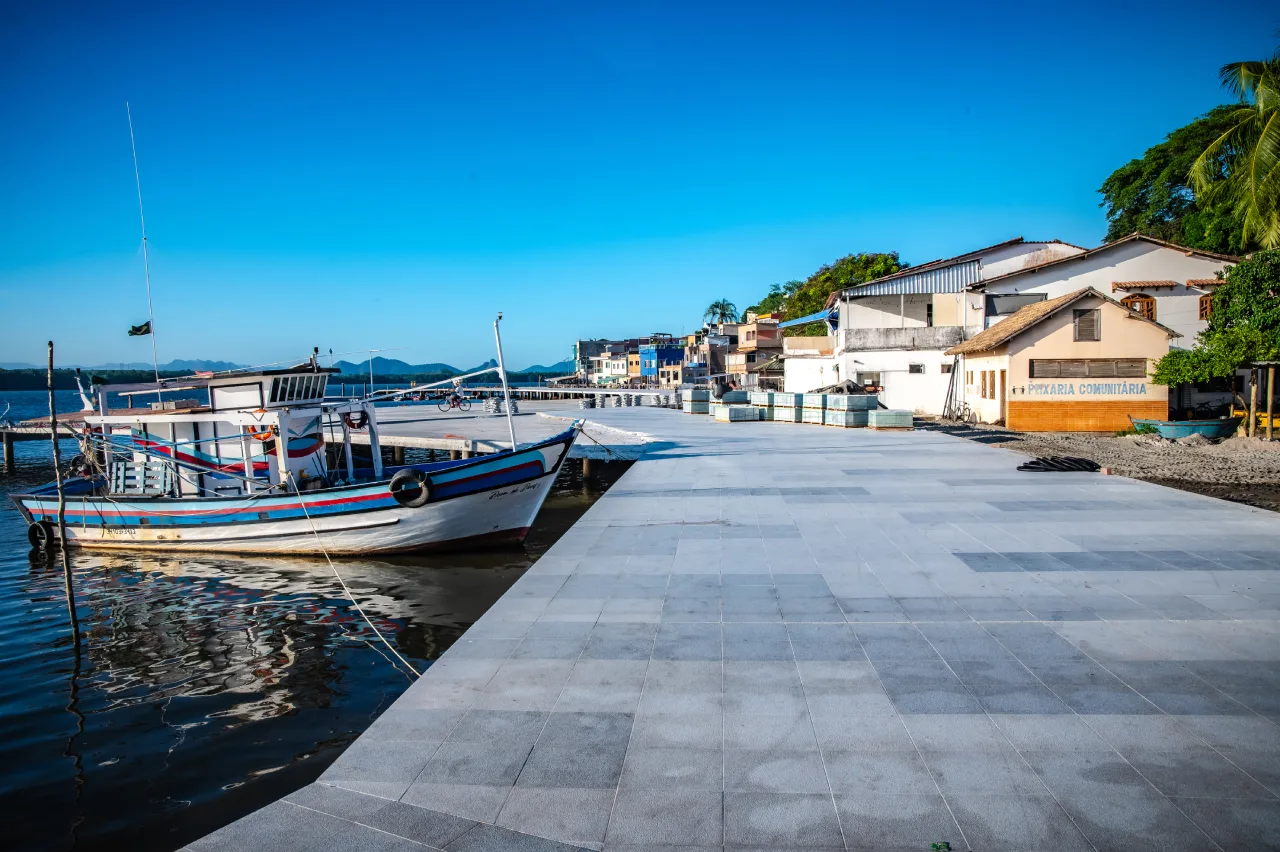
1206	307
1088	324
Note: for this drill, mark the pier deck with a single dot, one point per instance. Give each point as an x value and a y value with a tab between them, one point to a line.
776	636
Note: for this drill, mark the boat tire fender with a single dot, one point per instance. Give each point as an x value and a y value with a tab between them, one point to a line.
411	488
41	536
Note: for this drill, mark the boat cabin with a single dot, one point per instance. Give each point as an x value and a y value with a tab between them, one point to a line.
214	435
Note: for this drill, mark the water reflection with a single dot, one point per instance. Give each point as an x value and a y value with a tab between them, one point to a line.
204	687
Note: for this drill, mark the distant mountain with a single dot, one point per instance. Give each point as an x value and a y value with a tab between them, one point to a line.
391	366
178	364
558	367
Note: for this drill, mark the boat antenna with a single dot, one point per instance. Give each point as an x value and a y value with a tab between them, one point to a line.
146	261
506	391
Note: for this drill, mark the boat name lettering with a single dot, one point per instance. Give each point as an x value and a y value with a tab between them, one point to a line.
519	490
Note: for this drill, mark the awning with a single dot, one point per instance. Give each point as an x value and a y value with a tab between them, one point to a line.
822	315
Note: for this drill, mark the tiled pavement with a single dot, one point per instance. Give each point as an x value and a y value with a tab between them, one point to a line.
774	636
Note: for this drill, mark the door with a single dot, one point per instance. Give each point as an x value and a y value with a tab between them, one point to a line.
1003	406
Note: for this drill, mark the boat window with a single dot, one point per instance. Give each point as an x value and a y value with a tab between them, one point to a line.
292	393
304	391
275	390
324	381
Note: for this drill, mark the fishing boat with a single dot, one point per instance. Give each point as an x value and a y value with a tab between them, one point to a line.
260	461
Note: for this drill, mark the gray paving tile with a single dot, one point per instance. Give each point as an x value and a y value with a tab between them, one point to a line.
956	733
1196	772
644	816
891	642
674	769
824	642
776	820
513	727
492	838
379	768
879	821
896	772
583	766
1138	821
574	816
277	826
881	732
925	687
1007	687
756	642
756	731
588	730
479	802
1016	823
475	763
774	770
420	825
1236	823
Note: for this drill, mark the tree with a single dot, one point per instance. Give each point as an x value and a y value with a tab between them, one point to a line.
777	298
1241	167
1153	195
802	298
1244	326
721	310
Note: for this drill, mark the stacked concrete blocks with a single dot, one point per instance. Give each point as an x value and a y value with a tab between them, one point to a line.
735	413
836	417
890	418
698	401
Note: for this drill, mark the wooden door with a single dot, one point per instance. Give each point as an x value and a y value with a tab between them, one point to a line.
1003	392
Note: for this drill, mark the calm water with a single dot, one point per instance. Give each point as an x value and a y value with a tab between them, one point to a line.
206	687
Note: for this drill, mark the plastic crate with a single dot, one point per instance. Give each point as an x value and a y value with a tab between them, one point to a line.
889	418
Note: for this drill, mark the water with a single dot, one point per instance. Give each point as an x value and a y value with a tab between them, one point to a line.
207	686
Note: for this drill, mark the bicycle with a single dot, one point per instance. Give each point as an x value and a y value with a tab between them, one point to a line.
451	402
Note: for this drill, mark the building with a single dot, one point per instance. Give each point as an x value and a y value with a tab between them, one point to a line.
706	352
660	361
757	360
1077	363
1164	282
891	334
610	366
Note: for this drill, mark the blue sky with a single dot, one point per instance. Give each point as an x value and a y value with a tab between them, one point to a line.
375	175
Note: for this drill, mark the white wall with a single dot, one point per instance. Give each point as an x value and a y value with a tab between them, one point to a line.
1023	255
1135	261
920	393
805	374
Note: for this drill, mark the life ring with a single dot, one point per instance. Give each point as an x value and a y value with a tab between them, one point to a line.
41	536
264	434
411	488
356	422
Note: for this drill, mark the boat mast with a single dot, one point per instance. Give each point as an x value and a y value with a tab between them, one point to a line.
146	261
502	372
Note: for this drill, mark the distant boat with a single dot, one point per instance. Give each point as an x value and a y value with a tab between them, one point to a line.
208	474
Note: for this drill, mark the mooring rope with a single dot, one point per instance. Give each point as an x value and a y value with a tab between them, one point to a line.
343	583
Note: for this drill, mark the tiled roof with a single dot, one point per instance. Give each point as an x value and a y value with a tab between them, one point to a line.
1141	285
1021	320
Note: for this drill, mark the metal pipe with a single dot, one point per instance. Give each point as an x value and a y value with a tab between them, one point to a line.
502	373
1271	394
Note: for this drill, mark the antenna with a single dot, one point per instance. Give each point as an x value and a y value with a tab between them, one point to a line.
146	261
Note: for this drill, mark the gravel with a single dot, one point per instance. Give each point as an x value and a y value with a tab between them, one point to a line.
1245	470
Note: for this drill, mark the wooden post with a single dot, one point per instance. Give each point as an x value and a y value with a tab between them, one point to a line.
1253	403
374	446
9	465
586	467
1271	395
62	505
397	455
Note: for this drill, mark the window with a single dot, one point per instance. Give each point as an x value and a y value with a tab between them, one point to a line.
1142	304
1089	368
982	392
991	384
1088	324
1206	307
928	316
968	378
946	369
915	368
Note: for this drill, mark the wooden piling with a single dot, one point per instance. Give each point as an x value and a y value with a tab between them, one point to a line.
397	455
62	505
10	466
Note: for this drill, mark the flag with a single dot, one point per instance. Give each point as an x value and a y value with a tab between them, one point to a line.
140	330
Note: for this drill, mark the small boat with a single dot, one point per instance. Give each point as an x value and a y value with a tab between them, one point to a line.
242	466
1222	427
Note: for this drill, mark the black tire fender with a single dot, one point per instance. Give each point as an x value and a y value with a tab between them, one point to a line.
411	488
41	535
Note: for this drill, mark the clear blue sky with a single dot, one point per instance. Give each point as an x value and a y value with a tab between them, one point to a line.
355	175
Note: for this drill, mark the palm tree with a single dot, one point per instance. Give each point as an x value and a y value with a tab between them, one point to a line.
721	310
1242	166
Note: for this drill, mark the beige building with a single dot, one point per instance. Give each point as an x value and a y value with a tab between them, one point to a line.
1076	363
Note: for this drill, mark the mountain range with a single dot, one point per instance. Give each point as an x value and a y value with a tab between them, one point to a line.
381	366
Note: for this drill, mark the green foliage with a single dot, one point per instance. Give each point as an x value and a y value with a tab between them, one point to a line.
1140	429
1152	194
721	310
801	298
1244	326
1241	167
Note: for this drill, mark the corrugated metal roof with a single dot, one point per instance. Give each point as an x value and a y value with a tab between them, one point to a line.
943	279
820	315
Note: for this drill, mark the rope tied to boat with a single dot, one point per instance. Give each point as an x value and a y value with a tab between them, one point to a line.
350	596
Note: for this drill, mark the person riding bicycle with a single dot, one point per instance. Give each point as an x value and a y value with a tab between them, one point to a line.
455	398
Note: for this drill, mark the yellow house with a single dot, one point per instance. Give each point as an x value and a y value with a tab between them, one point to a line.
1077	363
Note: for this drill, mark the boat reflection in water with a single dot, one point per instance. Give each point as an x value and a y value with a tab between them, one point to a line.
205	687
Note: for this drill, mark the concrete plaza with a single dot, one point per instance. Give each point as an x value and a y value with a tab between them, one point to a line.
777	636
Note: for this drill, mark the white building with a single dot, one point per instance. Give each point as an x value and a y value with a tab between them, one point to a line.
891	333
1163	282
